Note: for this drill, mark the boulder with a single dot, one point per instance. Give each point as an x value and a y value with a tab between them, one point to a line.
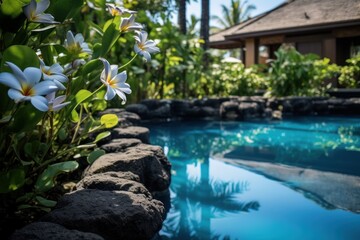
140	109
249	110
119	145
140	133
163	111
146	161
111	214
301	105
110	181
179	108
320	106
51	231
229	110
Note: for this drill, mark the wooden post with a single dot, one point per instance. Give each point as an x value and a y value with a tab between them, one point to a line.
251	51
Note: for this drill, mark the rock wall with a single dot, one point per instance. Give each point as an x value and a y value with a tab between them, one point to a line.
115	199
244	108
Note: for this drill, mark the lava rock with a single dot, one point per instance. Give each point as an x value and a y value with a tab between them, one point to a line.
111	181
51	231
120	145
140	133
146	161
140	109
111	214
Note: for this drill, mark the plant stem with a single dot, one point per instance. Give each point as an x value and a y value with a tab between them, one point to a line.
77	125
123	66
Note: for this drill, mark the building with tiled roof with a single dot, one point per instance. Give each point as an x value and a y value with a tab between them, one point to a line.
329	28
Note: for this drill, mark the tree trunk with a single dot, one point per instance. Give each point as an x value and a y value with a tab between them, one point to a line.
204	29
182	16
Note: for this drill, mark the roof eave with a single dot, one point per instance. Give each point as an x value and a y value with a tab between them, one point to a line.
317	27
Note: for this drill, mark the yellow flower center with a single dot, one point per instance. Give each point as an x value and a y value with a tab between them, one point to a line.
114	12
27	91
141	46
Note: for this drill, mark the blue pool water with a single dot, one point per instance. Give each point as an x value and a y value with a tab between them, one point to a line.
294	179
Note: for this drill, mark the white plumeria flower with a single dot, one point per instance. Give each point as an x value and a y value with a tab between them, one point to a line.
56	104
128	24
114	82
73	66
144	47
26	86
118	11
54	73
76	45
34	12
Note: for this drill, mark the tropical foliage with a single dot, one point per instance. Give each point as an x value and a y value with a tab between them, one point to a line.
294	74
60	62
350	73
239	11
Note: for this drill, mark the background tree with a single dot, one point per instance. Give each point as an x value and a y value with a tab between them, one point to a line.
182	15
204	29
239	11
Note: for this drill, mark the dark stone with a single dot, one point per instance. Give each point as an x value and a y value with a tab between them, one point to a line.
124	175
208	112
163	111
214	102
152	104
111	182
268	113
146	161
320	106
120	145
229	110
113	215
140	133
51	231
140	109
179	108
273	103
301	105
249	110
286	107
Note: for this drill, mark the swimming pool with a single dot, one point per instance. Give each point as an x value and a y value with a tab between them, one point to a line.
293	179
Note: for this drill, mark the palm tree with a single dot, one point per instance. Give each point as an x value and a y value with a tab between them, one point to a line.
238	12
182	15
204	29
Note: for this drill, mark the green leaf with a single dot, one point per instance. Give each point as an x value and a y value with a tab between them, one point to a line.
91	66
74	117
47	179
20	55
12	8
45	202
95	155
32	116
109	120
12	180
86	146
62	9
82	96
110	37
101	136
63	134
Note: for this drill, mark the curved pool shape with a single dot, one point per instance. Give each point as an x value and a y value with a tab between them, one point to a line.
294	179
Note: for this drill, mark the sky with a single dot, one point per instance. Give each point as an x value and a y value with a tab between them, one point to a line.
215	7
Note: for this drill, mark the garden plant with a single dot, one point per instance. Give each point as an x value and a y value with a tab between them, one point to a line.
55	77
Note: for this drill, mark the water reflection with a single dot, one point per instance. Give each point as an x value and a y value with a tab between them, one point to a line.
317	158
197	199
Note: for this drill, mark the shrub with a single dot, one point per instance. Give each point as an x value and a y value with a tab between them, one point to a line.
294	74
350	74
